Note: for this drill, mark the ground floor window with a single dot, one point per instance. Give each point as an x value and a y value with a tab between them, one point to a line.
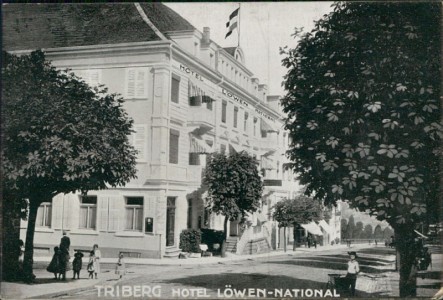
44	215
134	213
88	212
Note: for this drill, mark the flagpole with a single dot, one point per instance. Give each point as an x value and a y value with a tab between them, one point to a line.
239	13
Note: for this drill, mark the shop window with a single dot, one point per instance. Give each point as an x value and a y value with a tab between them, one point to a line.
44	215
134	213
88	212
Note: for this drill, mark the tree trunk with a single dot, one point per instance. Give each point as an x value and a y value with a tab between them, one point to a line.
10	238
407	249
294	237
284	236
225	231
29	245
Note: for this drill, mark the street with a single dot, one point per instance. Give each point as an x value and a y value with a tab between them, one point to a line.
287	275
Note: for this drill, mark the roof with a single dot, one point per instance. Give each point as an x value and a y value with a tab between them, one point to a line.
36	26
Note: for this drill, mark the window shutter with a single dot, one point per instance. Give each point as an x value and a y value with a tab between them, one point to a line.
224	105
139	141
57	211
114	214
102	207
130	83
141	84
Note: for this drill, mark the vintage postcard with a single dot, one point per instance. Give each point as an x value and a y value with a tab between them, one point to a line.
221	150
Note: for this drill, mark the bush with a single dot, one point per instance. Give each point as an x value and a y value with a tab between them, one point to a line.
190	240
211	237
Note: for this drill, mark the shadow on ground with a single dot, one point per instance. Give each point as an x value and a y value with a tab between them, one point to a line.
242	281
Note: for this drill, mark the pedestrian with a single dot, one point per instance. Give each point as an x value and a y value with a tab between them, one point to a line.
65	243
309	241
120	268
97	256
77	264
54	265
90	267
353	270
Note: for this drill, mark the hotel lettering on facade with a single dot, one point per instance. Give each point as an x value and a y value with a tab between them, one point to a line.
188	98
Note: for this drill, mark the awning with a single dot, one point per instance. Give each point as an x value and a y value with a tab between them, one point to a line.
199	146
266	163
265	126
235	148
200	129
268	152
326	227
261	218
312	228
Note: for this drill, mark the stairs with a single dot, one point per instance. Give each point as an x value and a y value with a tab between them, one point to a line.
231	244
172	252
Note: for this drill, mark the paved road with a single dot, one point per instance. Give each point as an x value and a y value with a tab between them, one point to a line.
277	276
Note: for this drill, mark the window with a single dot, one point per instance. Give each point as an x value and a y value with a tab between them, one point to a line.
194	159
88	212
235	116
139	140
91	77
175	88
245	122
134	213
255	126
136	83
189	213
222	148
174	136
224	105
44	215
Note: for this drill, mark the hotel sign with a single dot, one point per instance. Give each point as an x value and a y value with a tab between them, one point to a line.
191	72
246	104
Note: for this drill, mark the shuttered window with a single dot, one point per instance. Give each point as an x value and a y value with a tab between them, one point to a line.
175	88
136	83
44	215
139	141
245	122
224	106
174	136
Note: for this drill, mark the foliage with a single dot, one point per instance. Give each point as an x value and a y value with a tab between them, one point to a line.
378	233
59	136
367	232
363	109
301	210
234	185
190	240
211	237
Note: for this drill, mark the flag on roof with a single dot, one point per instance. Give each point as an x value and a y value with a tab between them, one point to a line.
233	21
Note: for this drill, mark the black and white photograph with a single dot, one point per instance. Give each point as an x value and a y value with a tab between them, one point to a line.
221	150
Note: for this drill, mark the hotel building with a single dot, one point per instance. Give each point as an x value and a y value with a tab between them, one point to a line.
188	97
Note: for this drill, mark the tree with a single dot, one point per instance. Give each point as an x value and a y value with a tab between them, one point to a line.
358	231
367	232
293	212
363	112
351	227
60	136
234	185
344	229
378	233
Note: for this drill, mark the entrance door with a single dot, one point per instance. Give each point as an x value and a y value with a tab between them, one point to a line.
233	228
170	221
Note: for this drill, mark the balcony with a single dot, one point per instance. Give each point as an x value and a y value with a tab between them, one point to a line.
201	111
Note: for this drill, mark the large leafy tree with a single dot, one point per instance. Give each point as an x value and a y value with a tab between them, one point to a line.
293	212
59	136
363	111
234	185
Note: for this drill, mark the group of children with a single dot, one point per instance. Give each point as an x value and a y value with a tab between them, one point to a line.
92	267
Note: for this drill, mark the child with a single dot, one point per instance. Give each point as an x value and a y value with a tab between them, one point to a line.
54	265
77	264
120	268
91	265
353	270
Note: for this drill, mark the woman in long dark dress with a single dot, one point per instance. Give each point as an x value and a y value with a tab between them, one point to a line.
54	265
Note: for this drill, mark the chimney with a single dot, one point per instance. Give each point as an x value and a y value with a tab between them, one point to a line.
206	35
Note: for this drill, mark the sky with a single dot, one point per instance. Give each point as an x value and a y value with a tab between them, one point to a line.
264	28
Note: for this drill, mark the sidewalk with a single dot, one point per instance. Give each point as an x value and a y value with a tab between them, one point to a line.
48	287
